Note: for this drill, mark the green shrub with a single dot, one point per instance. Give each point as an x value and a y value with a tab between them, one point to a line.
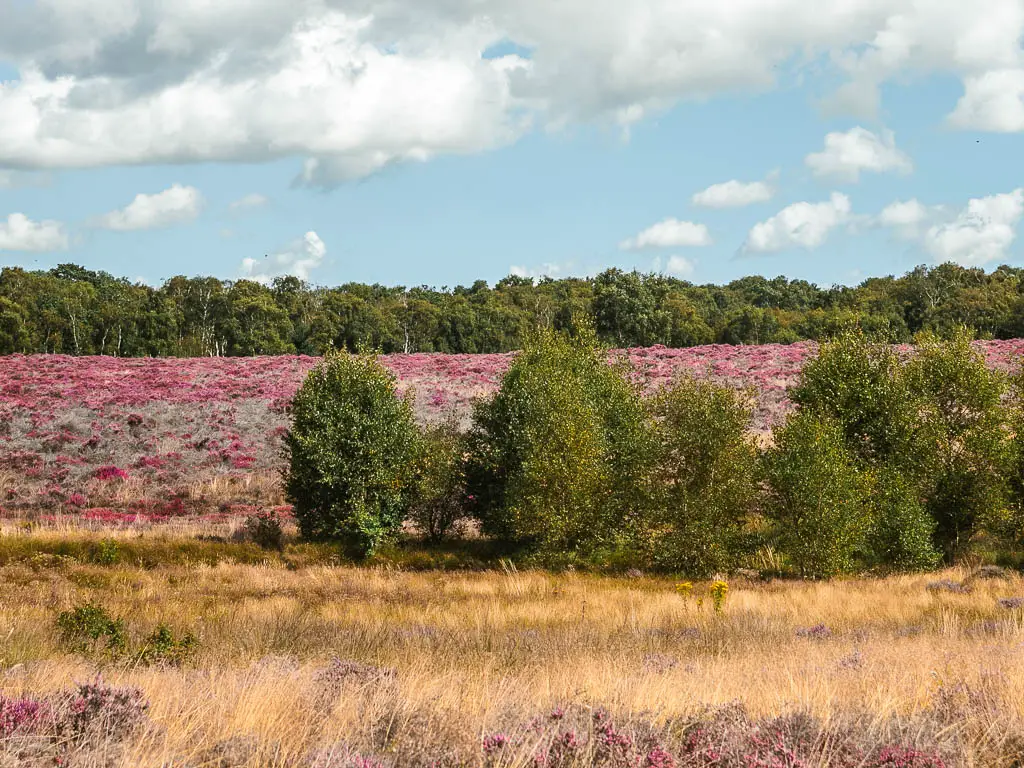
438	504
706	481
558	457
107	552
163	647
85	627
264	530
817	496
350	453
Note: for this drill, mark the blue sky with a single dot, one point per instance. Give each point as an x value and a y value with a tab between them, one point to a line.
451	155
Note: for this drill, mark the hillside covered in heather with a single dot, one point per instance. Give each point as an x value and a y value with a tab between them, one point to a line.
106	436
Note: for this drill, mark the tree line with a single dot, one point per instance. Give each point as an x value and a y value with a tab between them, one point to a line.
76	311
887	463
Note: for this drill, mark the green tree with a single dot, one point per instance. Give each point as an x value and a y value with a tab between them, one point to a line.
706	478
963	449
350	453
817	498
558	456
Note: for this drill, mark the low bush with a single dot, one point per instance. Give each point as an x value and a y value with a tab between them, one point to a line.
89	628
438	504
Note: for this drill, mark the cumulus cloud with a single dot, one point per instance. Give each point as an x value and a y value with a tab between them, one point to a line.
846	155
734	194
175	205
549	269
254	200
903	214
19	233
806	225
669	233
299	258
677	266
358	86
993	101
981	233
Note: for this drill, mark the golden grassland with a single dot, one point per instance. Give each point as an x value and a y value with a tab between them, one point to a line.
475	653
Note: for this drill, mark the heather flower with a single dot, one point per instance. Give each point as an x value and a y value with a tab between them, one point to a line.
494	742
817	632
1011	603
110	473
97	710
947	585
23	715
77	500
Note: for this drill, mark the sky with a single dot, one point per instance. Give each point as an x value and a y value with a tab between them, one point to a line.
438	142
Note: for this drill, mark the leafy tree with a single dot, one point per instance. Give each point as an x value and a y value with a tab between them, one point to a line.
706	477
350	450
963	450
438	503
860	385
817	498
902	530
558	457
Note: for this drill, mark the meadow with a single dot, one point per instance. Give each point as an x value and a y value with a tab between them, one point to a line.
142	625
320	665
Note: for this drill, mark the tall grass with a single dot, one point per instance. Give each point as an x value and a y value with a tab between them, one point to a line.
460	656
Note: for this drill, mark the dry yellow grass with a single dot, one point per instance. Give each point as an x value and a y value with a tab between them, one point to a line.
471	652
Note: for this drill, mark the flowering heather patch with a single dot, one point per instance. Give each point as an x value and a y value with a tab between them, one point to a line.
817	632
210	430
22	715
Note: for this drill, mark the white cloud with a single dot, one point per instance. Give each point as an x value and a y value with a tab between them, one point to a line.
847	154
377	83
299	258
993	101
903	214
677	266
801	224
175	205
550	269
981	233
734	194
669	233
19	233
254	200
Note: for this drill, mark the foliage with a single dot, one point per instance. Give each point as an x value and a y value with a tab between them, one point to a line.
86	626
706	484
817	497
963	450
264	529
350	451
559	456
77	311
902	530
859	384
438	504
163	647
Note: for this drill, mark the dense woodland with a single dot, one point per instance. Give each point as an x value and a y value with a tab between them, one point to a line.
77	311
